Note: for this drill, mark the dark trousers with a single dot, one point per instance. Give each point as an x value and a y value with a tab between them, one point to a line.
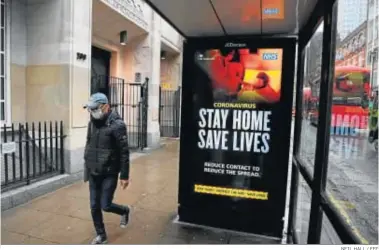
102	188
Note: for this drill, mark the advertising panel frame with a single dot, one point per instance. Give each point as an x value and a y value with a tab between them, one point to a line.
270	221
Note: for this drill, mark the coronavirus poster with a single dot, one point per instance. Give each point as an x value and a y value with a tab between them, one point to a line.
236	115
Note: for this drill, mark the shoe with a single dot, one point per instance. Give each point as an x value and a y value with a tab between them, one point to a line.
125	218
99	240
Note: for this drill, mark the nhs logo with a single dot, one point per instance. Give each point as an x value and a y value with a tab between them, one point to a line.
270	56
271	11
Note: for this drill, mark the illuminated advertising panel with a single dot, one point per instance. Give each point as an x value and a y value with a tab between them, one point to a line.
236	118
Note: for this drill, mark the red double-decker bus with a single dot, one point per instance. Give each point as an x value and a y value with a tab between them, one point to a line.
351	91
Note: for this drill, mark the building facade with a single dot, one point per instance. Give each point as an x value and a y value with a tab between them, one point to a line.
52	50
351	51
373	40
351	14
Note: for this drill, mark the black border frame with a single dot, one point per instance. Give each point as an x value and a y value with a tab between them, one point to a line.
288	44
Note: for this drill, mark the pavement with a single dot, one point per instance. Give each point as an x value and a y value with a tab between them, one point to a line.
63	216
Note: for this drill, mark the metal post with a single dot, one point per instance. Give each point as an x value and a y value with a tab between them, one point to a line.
20	151
27	148
34	150
56	137
177	111
145	110
5	155
160	109
61	136
51	160
323	131
296	143
40	148
13	155
122	102
45	146
140	124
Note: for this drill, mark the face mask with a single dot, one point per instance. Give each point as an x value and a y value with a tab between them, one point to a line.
97	114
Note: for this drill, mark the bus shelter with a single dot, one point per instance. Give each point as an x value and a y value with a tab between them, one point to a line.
269	37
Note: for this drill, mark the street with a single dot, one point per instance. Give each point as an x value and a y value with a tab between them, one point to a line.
352	178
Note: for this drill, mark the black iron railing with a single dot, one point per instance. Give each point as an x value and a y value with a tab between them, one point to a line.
169	112
31	152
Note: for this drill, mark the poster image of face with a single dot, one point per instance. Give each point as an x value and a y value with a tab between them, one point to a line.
242	74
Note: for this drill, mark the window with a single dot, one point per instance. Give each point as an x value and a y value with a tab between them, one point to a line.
307	147
370	13
355	44
352	160
361	61
3	65
374	77
369	38
362	40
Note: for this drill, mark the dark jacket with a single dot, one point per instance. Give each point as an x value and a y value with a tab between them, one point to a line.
107	150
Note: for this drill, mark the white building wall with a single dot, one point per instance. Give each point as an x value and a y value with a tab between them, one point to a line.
46	36
136	11
48	82
170	36
78	41
18	31
16	84
146	54
153	111
373	39
48	32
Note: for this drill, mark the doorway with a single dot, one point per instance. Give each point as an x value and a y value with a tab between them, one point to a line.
100	70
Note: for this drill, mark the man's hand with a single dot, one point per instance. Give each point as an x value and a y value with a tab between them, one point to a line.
124	184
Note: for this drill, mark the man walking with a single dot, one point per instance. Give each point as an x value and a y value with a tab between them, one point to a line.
106	160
